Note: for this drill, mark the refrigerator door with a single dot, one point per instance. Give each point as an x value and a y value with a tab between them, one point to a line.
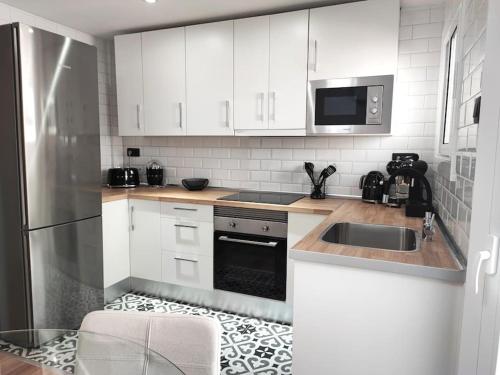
60	128
66	273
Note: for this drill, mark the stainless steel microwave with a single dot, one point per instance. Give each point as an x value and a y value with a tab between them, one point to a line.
361	105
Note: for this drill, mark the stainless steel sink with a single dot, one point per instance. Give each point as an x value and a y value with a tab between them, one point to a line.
371	235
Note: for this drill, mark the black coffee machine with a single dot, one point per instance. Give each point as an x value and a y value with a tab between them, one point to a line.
372	185
407	185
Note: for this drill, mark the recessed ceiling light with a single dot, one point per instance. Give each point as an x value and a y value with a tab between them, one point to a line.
150	1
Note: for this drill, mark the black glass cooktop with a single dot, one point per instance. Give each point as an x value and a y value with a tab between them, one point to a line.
263	197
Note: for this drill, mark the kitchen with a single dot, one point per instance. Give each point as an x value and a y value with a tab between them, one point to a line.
300	172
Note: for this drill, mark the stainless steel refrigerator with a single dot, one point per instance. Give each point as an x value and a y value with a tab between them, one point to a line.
50	201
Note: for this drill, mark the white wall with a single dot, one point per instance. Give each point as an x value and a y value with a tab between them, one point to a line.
277	163
111	145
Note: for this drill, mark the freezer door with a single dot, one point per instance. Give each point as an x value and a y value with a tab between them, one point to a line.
60	128
66	273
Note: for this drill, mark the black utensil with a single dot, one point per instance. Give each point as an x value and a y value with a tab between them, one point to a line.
309	167
327	172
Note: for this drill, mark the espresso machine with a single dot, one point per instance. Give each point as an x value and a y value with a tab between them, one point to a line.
407	184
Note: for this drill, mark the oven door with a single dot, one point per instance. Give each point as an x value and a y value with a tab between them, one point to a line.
250	264
353	106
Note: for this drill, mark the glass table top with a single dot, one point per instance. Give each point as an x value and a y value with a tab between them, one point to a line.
59	352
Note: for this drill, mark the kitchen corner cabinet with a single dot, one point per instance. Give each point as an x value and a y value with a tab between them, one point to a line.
354	39
164	72
115	229
145	237
129	90
209	78
270	71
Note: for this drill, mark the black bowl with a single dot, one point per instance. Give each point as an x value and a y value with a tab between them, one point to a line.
195	183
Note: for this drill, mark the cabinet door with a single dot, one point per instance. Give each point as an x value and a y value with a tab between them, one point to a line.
367	29
191	270
164	70
128	61
209	73
251	72
116	247
288	70
145	240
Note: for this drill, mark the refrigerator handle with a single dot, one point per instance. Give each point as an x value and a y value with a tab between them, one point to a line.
132	226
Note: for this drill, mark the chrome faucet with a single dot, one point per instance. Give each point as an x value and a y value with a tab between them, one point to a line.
428	226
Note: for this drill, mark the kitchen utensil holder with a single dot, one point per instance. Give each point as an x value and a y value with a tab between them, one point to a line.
318	191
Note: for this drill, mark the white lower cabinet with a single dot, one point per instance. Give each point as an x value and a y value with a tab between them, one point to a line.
191	270
187	244
115	230
145	239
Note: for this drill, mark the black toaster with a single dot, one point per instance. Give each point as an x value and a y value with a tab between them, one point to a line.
123	177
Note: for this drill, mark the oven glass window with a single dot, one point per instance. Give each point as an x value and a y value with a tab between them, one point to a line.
341	106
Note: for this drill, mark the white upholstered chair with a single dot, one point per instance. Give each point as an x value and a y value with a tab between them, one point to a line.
192	343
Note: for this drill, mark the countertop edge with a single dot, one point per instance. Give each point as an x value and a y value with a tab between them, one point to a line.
443	274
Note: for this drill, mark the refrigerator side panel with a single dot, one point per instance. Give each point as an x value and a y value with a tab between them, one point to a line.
61	128
66	273
14	310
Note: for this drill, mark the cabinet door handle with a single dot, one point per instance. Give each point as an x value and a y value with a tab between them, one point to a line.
132	226
185	226
186	259
248	242
315	65
272	106
139	111
260	106
227	113
180	115
185	209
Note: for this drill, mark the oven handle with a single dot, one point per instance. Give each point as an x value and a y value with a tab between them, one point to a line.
248	242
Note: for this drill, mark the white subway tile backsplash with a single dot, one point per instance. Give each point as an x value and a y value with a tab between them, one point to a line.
415	16
425	59
281	154
303	154
430	30
413	46
282	177
330	154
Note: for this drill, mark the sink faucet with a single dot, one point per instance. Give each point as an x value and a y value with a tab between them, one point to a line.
428	227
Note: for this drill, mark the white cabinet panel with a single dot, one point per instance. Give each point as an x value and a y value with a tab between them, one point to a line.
115	229
209	73
187	236
251	72
189	270
164	71
288	70
354	39
129	90
188	210
145	239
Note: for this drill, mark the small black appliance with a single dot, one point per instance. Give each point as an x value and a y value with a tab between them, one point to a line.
123	177
372	185
154	173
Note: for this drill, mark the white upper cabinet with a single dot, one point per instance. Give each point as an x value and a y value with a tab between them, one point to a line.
251	73
128	60
164	72
288	70
270	72
354	40
209	77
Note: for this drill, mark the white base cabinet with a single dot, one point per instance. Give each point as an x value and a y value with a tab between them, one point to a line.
354	321
115	229
145	237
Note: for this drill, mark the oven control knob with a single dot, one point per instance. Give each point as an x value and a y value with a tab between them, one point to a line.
232	224
375	99
265	228
374	110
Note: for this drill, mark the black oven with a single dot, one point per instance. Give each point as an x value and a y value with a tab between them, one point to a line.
250	252
350	105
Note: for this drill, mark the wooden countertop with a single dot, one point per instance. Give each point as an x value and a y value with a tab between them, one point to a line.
435	254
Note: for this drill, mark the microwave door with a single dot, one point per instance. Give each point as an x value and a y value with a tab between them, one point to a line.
341	106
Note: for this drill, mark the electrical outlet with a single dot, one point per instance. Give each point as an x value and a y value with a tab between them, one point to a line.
133	152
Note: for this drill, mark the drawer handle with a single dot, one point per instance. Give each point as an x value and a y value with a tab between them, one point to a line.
185	209
185	226
185	259
248	242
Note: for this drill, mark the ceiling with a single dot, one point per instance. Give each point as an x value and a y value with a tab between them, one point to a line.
110	17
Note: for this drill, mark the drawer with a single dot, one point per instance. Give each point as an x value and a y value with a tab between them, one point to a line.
188	270
189	211
187	236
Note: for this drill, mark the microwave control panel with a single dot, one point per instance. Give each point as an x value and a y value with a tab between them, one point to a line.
374	103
